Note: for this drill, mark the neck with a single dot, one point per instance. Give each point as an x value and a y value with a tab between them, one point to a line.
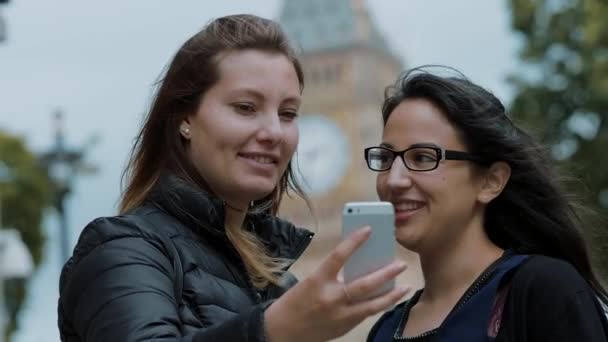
234	215
450	269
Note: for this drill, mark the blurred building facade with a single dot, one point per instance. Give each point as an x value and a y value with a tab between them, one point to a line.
347	65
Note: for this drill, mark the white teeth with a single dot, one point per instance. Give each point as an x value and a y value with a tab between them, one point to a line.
408	206
261	160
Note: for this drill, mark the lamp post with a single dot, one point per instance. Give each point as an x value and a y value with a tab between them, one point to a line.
6	175
2	23
15	258
63	164
15	262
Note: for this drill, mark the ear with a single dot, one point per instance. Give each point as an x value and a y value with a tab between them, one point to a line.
494	181
184	129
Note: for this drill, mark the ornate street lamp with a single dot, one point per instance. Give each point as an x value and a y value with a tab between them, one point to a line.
63	164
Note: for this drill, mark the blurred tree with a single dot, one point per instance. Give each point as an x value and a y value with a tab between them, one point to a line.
24	198
562	93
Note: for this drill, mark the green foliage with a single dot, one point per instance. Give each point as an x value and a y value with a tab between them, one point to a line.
24	199
562	93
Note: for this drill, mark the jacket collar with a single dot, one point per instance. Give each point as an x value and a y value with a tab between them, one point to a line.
204	214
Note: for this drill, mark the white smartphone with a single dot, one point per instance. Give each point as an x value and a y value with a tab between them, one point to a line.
379	250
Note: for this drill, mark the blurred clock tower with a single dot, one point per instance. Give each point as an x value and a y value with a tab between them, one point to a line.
347	65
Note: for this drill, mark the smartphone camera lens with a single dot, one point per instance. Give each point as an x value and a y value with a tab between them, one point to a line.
349	210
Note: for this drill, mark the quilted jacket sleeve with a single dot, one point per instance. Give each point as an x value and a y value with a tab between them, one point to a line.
119	286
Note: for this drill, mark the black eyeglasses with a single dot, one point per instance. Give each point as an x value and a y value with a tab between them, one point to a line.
417	158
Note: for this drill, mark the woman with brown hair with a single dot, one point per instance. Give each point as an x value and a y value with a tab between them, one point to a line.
197	253
500	242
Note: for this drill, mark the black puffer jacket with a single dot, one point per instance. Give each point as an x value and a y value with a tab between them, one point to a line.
167	272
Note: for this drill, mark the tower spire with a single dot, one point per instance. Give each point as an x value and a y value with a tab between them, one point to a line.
319	25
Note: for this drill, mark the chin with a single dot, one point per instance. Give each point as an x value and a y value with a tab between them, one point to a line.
257	190
253	187
406	240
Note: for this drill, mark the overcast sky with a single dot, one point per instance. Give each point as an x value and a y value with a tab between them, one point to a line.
97	61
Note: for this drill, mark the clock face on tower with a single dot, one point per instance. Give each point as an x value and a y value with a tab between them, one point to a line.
323	154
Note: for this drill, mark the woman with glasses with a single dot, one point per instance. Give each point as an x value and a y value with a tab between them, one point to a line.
477	198
198	253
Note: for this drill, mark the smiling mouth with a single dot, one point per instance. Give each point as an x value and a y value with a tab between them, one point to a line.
405	210
408	206
262	159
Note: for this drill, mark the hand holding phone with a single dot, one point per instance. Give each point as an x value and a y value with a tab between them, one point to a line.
379	250
322	307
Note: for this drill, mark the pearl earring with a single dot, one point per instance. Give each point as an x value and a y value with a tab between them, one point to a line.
186	131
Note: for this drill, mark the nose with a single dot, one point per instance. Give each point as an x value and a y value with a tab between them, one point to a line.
399	176
270	130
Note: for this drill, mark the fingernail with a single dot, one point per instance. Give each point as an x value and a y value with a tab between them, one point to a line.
366	230
400	265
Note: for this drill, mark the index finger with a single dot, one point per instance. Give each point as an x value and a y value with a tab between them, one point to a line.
338	256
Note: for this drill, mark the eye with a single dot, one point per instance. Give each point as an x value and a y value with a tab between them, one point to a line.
288	115
424	157
244	107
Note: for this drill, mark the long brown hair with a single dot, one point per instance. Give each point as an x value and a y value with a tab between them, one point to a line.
159	148
534	214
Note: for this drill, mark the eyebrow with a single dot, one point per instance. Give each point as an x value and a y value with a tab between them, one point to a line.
259	96
248	91
424	144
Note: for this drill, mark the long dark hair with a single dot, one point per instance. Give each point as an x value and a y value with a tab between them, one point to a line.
160	149
533	214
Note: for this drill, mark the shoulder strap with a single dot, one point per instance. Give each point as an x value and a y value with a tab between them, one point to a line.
602	308
498	308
